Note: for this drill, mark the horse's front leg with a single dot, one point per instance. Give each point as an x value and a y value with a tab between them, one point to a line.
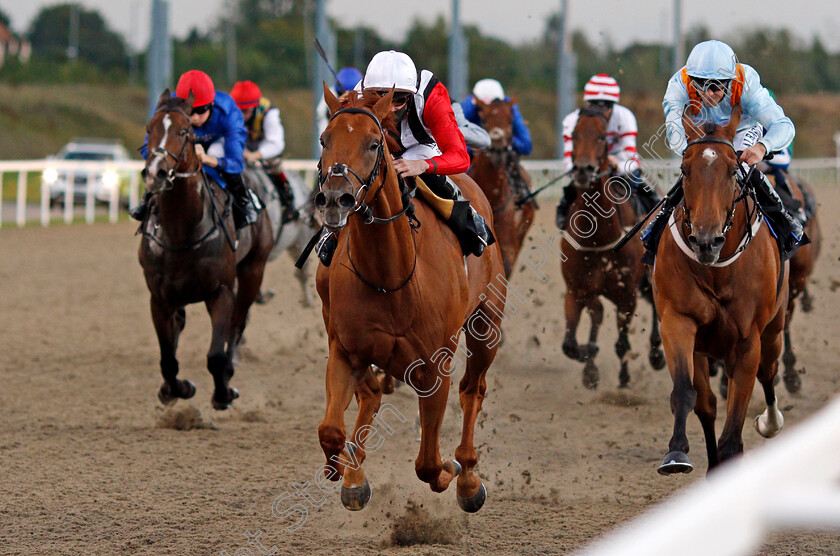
220	307
590	370
656	357
574	306
678	335
169	322
623	316
332	434
741	383
355	492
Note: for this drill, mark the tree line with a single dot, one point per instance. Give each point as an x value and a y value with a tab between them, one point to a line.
274	48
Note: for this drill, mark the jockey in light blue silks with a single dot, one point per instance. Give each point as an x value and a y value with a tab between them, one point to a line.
710	84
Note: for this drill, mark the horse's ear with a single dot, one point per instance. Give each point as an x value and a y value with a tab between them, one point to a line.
732	127
164	96
333	104
383	105
481	105
512	100
692	132
189	102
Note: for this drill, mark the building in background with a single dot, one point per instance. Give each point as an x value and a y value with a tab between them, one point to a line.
12	45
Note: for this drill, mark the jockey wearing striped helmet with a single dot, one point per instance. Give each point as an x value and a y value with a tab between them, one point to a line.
709	86
602	93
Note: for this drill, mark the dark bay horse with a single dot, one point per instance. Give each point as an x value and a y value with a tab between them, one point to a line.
397	296
590	267
495	170
188	256
721	291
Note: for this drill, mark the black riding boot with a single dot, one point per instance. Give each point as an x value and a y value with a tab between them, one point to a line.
645	193
569	195
787	228
470	228
653	232
287	197
244	212
141	210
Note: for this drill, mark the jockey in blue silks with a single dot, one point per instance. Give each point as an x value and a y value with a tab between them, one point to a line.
219	142
488	90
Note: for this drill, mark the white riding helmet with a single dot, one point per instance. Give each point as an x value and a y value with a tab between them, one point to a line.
391	69
488	90
711	60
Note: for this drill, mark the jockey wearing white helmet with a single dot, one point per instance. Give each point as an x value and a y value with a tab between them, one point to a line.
430	141
602	94
709	86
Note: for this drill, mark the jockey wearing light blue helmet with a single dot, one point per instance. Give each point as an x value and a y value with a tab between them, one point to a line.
708	87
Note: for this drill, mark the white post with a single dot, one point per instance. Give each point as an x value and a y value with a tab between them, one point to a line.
45	204
68	197
21	199
133	193
114	204
1	199
90	203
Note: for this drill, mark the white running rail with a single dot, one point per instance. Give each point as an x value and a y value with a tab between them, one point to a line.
790	483
663	173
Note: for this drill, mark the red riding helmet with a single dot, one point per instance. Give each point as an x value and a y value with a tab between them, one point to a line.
201	86
246	94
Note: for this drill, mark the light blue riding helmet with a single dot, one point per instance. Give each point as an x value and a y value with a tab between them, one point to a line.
711	60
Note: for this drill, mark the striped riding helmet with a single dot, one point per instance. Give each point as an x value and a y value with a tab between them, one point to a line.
601	87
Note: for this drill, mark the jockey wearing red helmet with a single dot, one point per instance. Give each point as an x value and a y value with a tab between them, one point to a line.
266	140
219	141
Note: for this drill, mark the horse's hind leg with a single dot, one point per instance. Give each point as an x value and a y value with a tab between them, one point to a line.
482	343
706	406
432	387
169	323
220	307
623	316
745	366
302	275
590	371
249	275
656	357
769	423
574	306
793	382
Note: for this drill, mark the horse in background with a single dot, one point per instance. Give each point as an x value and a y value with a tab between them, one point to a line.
397	295
722	292
590	266
289	237
189	254
498	172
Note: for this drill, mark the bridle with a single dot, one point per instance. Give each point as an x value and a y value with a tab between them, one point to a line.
343	171
172	175
361	206
742	181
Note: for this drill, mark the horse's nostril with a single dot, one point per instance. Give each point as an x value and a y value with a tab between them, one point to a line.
320	200
692	239
718	241
347	201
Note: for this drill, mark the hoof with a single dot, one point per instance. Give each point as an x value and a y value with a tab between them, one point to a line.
572	351
590	376
472	505
769	423
792	381
221	406
623	376
264	297
656	357
806	302
166	397
675	462
355	498
456	467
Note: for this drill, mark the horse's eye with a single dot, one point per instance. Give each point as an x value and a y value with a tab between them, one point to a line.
374	146
182	132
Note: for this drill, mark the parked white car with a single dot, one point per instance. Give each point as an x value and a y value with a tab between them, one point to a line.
105	180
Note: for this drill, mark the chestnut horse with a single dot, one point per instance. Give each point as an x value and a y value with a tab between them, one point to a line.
494	169
590	266
396	295
721	291
188	256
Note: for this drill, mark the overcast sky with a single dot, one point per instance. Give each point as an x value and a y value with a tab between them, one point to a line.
623	21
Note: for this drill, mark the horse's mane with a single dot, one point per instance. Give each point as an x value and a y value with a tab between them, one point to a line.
389	124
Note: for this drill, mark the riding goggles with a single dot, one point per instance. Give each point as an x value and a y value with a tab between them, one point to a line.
400	97
711	85
197	110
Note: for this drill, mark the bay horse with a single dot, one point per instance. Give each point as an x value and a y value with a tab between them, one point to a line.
188	253
590	266
495	170
801	266
397	295
722	291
